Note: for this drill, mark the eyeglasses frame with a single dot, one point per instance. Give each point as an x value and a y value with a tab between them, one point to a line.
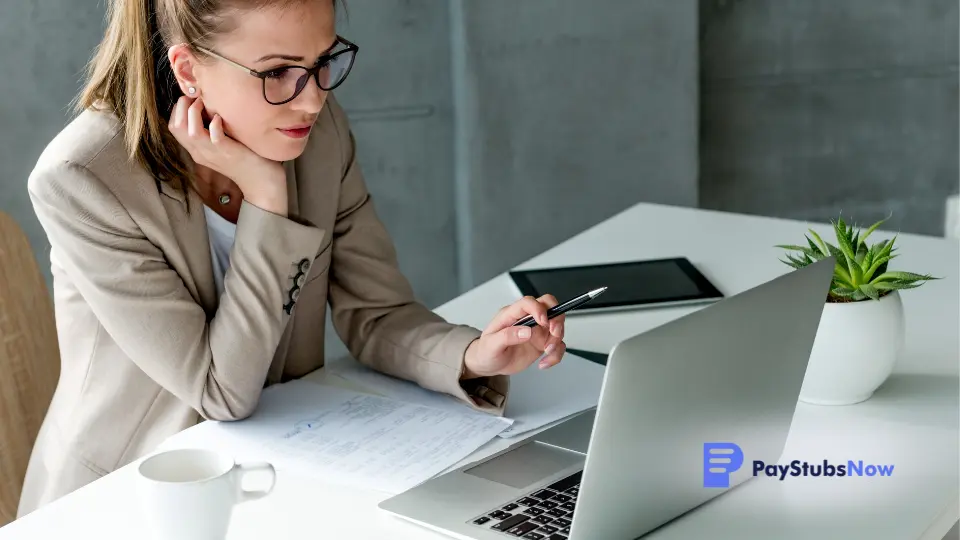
311	71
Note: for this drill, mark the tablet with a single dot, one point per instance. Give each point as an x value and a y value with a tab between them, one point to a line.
631	285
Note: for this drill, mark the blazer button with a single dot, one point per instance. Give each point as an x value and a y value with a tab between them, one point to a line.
304	265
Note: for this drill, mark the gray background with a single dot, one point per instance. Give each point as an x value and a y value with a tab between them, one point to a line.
491	130
811	107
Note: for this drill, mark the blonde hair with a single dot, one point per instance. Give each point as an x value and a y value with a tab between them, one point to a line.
131	76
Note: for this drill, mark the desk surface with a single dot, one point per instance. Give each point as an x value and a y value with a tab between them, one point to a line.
912	421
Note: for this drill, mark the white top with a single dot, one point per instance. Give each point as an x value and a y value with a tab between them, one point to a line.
912	422
221	233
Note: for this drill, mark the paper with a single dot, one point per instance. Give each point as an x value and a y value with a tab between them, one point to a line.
537	397
353	438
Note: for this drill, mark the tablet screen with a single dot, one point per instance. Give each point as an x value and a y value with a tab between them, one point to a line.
630	283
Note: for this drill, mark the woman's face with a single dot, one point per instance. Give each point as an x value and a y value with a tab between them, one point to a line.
263	40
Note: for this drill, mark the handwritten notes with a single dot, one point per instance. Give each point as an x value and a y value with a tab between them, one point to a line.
353	438
537	397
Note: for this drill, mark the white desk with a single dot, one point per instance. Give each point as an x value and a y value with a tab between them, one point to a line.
911	422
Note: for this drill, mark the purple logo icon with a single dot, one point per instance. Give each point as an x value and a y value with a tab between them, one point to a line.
719	460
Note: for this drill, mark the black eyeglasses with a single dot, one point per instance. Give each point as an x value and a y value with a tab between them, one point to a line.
285	83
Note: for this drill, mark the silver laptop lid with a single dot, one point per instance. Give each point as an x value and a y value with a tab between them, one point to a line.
729	373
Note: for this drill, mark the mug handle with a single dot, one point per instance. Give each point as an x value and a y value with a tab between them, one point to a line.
243	469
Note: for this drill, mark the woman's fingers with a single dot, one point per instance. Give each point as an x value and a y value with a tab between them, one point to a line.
195	127
518	310
546	331
511	336
216	129
556	324
554	355
178	117
548	300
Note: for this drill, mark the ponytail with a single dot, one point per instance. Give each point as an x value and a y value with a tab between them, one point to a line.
130	76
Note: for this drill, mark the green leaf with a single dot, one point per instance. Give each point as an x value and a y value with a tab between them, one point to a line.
868	261
823	245
858	296
870	291
839	282
841	273
835	251
844	230
895	285
890	243
862	253
902	276
886	250
873	254
856	273
840	269
806	251
882	255
868	275
843	292
795	262
846	247
841	226
872	228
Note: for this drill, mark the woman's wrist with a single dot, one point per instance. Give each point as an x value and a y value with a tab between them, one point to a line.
469	357
268	191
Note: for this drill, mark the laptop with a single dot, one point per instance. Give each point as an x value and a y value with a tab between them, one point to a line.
725	377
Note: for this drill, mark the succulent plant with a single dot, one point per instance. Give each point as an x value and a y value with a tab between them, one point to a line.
861	271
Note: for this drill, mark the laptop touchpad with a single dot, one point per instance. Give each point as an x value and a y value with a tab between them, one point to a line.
526	465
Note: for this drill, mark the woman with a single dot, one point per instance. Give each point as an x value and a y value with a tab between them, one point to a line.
203	208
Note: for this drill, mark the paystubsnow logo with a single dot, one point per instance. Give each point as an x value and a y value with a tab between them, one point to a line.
720	459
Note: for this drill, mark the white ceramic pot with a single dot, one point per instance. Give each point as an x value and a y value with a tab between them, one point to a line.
856	348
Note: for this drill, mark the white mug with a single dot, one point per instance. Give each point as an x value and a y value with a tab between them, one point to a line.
189	494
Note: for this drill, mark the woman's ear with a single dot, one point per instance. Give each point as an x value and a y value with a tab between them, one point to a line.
182	63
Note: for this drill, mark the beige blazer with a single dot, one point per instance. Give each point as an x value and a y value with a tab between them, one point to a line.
147	347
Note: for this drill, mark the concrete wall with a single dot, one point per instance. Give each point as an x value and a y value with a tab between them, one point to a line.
493	130
399	100
810	107
44	47
570	112
489	130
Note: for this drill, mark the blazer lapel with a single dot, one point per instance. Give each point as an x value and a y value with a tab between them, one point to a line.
190	231
293	200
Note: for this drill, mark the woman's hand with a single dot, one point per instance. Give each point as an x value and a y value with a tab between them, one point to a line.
262	181
504	349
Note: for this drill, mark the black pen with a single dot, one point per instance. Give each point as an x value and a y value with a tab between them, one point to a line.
563	308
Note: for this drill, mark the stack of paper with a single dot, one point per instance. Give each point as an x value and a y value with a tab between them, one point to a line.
348	437
537	397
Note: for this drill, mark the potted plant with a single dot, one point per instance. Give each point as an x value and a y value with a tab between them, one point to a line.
861	330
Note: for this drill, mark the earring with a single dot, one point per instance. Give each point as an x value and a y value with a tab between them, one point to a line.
192	90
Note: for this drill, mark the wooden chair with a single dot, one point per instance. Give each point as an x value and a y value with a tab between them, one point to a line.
29	360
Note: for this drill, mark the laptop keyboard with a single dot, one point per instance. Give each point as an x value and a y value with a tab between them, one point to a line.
544	514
